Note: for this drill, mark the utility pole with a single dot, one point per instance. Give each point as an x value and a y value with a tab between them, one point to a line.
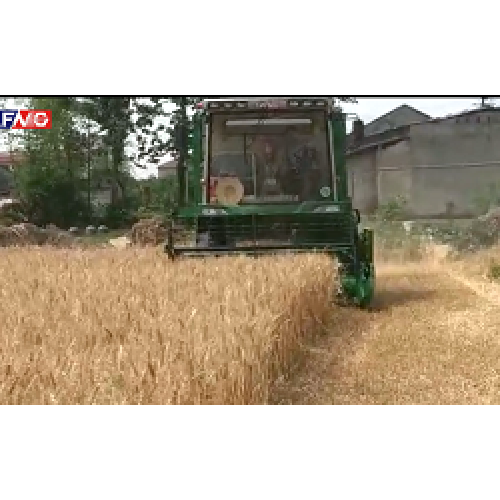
485	103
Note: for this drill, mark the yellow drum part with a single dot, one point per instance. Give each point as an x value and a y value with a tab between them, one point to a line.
229	191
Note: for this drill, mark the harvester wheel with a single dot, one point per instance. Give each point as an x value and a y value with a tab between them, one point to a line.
367	286
343	297
357	290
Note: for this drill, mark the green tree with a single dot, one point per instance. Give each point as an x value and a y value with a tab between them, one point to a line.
64	155
6	181
158	196
119	118
49	182
113	116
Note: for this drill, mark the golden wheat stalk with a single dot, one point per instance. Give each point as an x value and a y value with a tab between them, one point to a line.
128	327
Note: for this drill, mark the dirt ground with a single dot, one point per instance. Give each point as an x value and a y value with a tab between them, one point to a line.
432	337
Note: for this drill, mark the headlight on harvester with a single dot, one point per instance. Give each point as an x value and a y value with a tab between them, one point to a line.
331	209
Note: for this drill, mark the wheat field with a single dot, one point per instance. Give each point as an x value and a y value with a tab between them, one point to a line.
104	326
107	326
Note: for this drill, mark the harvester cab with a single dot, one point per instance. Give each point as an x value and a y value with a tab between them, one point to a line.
267	176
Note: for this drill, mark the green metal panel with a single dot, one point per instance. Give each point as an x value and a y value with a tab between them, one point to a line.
196	161
194	211
183	145
339	146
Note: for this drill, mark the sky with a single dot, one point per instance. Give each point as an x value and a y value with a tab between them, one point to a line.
369	109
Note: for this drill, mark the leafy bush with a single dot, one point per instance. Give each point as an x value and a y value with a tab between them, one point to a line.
11	214
494	271
394	210
119	216
50	196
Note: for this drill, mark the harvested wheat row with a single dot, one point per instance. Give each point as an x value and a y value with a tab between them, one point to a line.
128	327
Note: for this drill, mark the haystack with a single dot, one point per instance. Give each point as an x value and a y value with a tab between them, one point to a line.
10	212
26	234
57	237
148	232
7	237
120	243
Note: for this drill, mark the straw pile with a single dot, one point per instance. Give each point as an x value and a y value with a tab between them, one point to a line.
26	234
148	232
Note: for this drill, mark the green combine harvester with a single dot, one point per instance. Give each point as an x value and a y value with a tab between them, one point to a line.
268	175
